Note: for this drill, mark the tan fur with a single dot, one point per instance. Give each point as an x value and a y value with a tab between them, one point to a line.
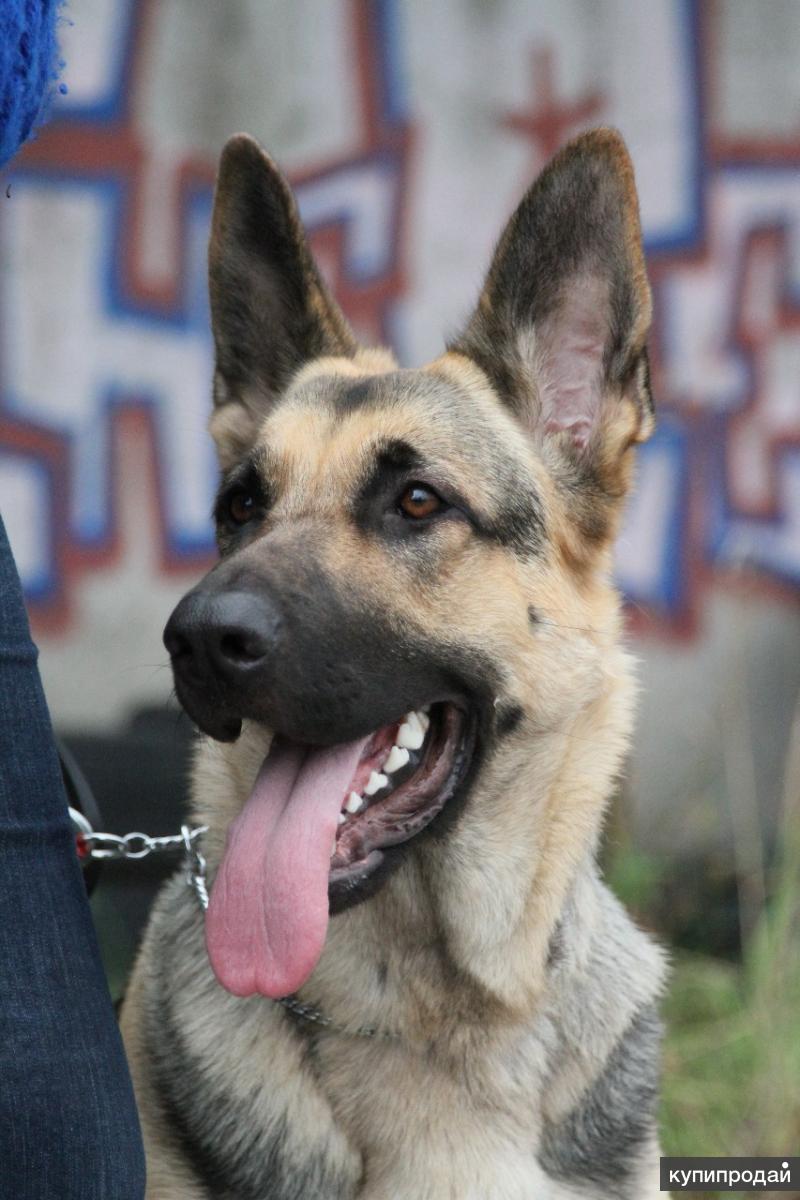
168	1173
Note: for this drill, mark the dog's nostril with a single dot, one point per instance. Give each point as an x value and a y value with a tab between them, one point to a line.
178	645
241	646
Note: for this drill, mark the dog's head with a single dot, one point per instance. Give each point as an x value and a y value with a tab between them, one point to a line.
414	563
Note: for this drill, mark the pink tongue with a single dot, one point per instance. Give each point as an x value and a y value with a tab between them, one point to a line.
268	913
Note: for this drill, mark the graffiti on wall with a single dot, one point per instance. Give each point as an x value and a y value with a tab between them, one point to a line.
103	313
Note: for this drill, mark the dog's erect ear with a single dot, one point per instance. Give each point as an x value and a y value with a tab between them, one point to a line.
561	324
270	310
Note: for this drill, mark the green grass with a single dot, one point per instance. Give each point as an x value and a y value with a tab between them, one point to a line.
732	1057
731	1084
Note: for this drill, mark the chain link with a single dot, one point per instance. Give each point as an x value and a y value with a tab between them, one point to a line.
195	863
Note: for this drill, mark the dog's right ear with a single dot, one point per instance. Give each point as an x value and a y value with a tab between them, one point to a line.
270	310
561	325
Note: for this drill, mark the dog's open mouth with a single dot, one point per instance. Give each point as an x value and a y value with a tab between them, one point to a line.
317	827
399	786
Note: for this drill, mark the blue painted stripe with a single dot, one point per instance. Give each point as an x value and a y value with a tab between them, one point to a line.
392	74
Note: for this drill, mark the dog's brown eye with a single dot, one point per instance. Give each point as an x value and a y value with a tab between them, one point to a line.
241	507
418	501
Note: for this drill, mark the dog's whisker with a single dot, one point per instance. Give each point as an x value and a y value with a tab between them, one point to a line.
154	668
574	628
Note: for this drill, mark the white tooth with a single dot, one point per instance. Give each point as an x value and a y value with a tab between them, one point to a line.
376	782
398	757
410	737
342	818
354	802
424	721
413	720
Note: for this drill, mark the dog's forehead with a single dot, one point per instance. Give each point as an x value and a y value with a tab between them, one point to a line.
337	414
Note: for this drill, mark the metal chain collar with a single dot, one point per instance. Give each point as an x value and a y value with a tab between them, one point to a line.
134	846
108	846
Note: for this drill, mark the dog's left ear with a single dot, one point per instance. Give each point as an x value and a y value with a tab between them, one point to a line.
561	324
270	309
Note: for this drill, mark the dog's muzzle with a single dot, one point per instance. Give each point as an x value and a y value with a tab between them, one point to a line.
375	735
283	644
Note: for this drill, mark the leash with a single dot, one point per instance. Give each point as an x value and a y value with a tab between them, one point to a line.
131	847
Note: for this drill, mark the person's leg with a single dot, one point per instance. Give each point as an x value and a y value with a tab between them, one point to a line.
68	1123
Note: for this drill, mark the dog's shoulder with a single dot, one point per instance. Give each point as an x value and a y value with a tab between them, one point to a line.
599	1112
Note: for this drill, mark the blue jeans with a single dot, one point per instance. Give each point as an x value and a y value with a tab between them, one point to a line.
68	1123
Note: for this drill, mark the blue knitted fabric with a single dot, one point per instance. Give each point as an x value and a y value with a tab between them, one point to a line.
29	67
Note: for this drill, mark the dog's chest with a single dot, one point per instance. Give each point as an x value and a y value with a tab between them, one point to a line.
435	1125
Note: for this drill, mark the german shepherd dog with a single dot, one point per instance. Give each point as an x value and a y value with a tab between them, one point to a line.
408	666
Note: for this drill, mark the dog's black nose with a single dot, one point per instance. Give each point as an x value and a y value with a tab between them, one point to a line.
223	636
